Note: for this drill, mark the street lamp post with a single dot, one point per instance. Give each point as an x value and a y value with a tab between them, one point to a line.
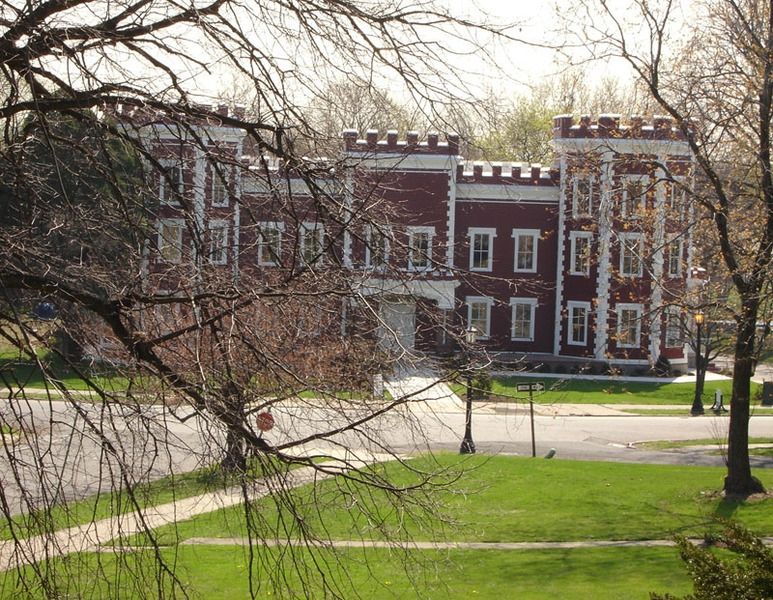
468	446
697	403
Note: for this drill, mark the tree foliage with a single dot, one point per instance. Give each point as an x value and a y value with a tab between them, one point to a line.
744	574
103	106
712	75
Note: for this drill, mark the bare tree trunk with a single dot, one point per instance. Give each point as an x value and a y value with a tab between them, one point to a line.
739	480
234	459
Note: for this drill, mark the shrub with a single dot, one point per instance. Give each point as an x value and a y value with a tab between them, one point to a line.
746	575
662	367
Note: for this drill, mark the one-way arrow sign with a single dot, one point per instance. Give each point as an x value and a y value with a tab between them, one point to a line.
537	386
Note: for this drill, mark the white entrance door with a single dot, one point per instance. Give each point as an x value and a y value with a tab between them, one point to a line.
397	330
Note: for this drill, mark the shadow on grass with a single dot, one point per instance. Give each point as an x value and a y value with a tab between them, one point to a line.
728	506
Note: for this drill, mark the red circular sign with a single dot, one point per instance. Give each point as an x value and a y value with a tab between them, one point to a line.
265	421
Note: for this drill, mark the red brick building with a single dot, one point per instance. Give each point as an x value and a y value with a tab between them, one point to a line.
581	261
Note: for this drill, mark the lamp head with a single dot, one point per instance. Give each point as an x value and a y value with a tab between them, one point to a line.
471	334
699	318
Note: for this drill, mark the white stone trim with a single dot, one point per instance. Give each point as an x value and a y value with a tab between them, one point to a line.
488	192
604	253
560	242
451	216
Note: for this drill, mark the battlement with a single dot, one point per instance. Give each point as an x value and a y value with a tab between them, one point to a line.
411	144
611	127
508	173
197	114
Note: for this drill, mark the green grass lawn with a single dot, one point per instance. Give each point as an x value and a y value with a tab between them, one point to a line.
23	372
582	391
503	499
220	573
101	506
496	499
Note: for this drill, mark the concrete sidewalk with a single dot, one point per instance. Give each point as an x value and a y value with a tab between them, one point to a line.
426	393
417	545
91	537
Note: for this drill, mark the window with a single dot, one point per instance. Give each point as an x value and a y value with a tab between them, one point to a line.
675	196
420	248
631	254
628	325
582	195
579	261
675	258
578	323
377	247
674	329
220	184
170	182
170	240
218	242
633	198
525	250
481	248
479	315
270	243
522	319
311	236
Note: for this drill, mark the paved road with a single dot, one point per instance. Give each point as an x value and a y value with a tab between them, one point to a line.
66	453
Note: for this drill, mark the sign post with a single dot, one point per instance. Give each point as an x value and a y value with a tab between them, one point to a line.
537	386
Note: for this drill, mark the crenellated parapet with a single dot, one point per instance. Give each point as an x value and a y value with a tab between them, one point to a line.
612	127
373	142
197	114
506	173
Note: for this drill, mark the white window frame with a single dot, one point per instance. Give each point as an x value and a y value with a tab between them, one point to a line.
274	226
164	242
305	229
218	255
591	180
165	195
674	259
671	341
385	233
629	210
532	304
676	196
570	307
412	232
217	183
480	300
488	233
573	237
637	309
624	239
534	234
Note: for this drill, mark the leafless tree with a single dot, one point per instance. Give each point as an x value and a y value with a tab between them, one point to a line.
106	123
711	73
